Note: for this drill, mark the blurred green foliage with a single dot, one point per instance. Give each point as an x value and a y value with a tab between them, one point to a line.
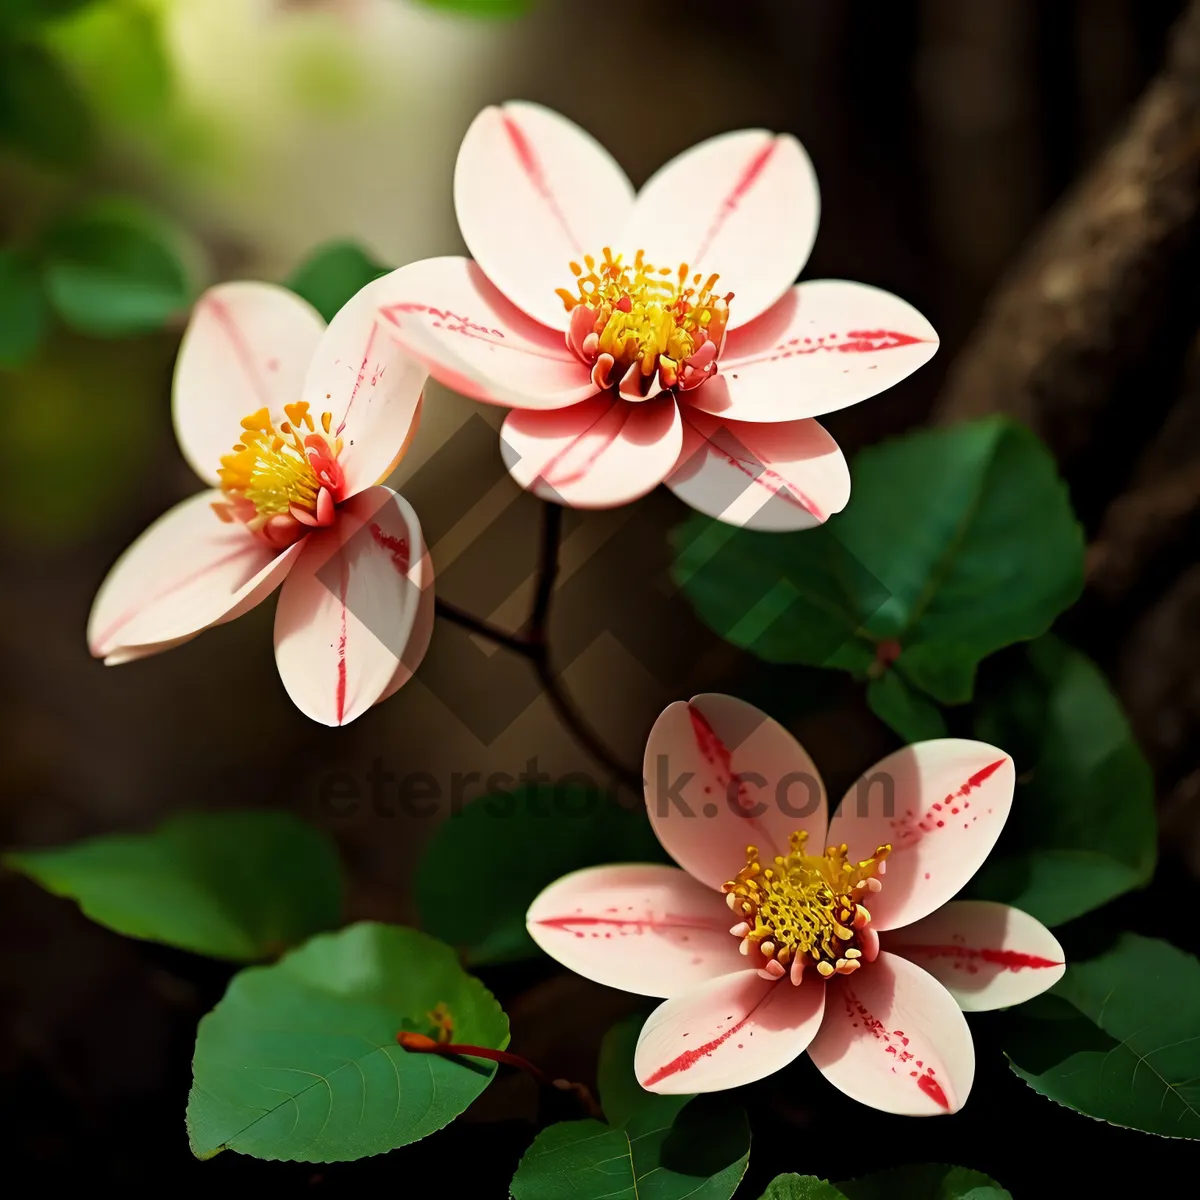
42	114
334	273
24	313
113	268
483	8
117	56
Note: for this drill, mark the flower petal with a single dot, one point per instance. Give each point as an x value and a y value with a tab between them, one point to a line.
826	345
986	955
534	193
599	454
894	1038
648	929
730	1031
941	805
444	312
361	375
248	346
721	775
189	571
781	477
418	642
347	616
744	205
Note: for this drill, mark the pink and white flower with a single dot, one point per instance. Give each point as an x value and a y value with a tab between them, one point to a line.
658	337
292	426
857	952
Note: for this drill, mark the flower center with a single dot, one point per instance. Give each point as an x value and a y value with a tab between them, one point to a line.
280	480
634	320
806	908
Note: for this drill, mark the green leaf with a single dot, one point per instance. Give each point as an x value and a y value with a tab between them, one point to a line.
801	1187
956	542
41	113
334	274
486	864
1083	828
19	13
23	312
115	269
483	8
299	1060
118	53
902	708
1127	1051
929	1182
652	1148
240	886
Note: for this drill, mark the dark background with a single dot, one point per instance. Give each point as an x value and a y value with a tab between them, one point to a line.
944	132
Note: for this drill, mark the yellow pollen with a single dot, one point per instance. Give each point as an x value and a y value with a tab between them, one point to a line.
273	468
805	905
647	314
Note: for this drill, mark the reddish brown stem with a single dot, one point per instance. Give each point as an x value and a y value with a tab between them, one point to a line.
421	1043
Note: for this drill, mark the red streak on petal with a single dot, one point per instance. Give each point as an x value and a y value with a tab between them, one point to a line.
341	663
857	341
933	1090
720	758
450	322
531	165
552	473
362	374
647	924
869	341
689	1058
908	830
758	472
240	349
396	547
116	625
1010	960
748	178
980	776
716	754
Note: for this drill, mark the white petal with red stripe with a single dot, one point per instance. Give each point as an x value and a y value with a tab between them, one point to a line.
894	1038
744	205
599	454
248	346
370	385
987	955
826	345
776	478
720	775
445	313
648	929
730	1031
347	615
534	193
941	806
187	572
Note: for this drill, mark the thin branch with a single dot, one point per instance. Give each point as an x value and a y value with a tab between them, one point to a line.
533	646
573	720
474	624
552	515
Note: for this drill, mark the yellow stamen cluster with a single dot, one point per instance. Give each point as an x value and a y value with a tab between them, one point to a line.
644	313
273	468
806	906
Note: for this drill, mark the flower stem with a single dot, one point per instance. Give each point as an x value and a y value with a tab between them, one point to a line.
533	646
420	1043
